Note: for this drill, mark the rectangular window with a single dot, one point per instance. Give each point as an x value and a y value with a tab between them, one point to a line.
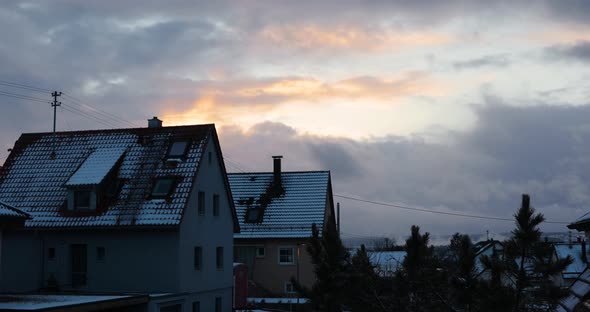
216	205
219	258
100	253
217	304
198	258
201	203
286	255
178	149
289	288
260	252
162	187
82	199
50	253
253	215
197	306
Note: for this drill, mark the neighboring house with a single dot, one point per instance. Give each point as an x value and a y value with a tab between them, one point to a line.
387	262
579	295
276	211
579	255
145	210
489	248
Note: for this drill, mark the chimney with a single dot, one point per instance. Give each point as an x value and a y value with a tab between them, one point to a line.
277	169
154	123
526	200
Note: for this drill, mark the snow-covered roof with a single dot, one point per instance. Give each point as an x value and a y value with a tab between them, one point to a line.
289	216
387	262
575	251
97	166
579	289
11	212
487	250
43	302
33	181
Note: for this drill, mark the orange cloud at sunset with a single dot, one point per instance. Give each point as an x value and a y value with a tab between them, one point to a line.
314	37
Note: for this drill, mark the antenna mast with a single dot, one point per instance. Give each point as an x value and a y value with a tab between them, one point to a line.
54	104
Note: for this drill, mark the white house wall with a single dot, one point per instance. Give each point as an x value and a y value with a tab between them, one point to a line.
209	232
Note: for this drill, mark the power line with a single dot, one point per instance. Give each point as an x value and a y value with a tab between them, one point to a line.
23	97
23	86
99	111
434	211
88	116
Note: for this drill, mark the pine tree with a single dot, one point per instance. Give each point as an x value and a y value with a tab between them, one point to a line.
330	260
463	282
534	289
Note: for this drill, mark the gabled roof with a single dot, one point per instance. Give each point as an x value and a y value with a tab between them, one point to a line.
581	224
7	211
290	215
31	180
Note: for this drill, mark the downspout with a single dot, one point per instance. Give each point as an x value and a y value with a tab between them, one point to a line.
42	279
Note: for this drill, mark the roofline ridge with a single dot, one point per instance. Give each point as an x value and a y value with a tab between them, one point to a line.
90	131
270	172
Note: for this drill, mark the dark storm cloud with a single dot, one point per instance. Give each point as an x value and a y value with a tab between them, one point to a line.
579	51
501	60
541	150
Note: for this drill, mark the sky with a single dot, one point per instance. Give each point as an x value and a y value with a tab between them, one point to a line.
451	106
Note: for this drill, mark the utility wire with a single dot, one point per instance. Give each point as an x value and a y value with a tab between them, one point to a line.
23	86
99	111
23	97
434	211
88	116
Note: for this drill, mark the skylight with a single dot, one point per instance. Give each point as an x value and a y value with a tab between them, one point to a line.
162	187
253	215
178	149
96	167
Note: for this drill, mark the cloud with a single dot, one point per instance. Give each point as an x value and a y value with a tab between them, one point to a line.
579	51
540	150
349	39
500	60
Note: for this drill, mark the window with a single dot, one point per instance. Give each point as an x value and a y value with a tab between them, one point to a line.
217	304
50	253
286	255
219	258
253	215
100	253
162	187
82	199
197	306
201	203
198	261
216	205
178	149
289	288
260	252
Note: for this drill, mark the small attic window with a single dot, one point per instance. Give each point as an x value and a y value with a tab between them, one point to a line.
82	199
253	215
162	187
178	149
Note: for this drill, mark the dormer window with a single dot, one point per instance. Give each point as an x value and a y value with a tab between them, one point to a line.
178	149
82	199
162	187
253	215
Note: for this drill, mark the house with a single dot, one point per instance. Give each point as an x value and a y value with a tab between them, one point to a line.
144	210
579	294
276	211
387	262
579	255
